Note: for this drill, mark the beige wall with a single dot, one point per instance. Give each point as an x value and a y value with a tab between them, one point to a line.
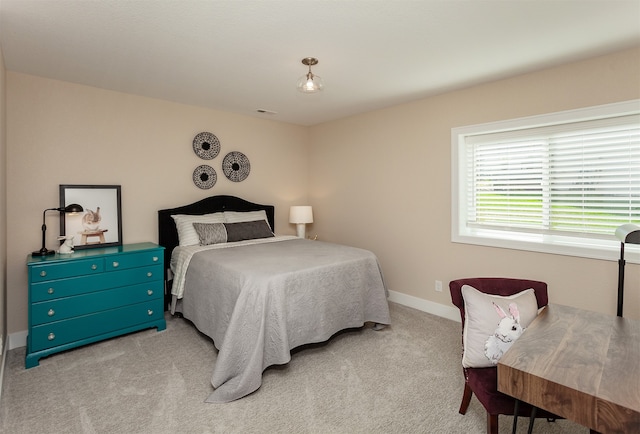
62	133
382	181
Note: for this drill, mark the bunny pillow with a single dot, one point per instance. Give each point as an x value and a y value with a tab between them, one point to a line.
508	330
492	323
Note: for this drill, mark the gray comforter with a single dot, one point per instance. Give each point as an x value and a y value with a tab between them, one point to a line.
258	302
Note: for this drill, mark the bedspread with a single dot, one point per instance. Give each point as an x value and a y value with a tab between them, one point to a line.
181	257
258	302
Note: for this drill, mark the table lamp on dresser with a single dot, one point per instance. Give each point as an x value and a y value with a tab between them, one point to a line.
69	209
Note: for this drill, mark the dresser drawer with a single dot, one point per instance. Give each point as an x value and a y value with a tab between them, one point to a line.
81	285
83	267
64	308
133	260
88	326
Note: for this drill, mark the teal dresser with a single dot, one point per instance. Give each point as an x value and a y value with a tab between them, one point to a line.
91	295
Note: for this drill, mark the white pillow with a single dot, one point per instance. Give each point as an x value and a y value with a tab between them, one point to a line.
482	320
187	235
245	216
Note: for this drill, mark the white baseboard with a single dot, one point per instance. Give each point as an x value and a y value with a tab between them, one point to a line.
449	312
17	339
3	362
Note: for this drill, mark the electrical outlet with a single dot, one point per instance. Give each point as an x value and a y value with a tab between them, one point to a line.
439	285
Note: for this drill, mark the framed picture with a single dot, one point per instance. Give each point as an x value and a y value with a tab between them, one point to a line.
100	223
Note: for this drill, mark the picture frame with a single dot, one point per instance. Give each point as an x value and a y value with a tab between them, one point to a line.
100	224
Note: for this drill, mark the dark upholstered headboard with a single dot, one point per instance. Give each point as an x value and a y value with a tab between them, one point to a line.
168	234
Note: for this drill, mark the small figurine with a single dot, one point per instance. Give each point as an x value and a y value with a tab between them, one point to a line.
66	247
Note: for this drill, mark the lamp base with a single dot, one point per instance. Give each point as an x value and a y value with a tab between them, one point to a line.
43	252
301	229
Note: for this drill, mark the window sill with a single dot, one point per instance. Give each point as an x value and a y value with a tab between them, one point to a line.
608	250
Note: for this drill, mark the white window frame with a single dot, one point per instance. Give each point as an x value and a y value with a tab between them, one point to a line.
607	249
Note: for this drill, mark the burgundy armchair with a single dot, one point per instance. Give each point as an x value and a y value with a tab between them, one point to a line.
483	382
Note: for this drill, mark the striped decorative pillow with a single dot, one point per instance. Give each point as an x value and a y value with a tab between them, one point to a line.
187	235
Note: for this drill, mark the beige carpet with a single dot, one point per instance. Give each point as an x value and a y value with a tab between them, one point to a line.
403	379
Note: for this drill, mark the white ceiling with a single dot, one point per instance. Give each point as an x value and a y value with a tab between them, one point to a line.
241	56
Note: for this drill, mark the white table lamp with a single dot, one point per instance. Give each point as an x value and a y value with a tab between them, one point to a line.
301	215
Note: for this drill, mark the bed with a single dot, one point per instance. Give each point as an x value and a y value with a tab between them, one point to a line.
258	295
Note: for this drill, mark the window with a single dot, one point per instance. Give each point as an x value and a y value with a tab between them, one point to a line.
557	183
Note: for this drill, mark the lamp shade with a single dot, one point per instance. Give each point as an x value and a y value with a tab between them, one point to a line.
73	208
310	83
628	233
301	214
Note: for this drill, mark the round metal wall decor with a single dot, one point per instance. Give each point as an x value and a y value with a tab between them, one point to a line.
206	146
236	166
204	177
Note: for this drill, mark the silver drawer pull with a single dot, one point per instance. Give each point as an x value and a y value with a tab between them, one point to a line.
51	312
50	291
43	273
115	264
149	291
150	312
51	336
149	274
155	259
94	267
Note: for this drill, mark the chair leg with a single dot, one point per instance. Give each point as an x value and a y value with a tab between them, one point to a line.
466	399
492	423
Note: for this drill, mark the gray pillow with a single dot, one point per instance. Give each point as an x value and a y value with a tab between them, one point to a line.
211	233
216	233
248	230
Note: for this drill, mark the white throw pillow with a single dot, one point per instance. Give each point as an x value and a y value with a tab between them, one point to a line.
187	235
481	346
244	216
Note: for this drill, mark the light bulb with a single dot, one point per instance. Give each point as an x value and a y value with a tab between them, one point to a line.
309	86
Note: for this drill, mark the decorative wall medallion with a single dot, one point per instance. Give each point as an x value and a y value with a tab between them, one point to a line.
205	176
236	166
206	146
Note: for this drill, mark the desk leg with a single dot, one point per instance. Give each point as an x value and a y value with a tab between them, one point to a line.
516	410
532	419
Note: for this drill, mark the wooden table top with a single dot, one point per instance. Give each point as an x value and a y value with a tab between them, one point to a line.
580	365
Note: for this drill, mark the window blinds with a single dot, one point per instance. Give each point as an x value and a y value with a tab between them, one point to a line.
572	178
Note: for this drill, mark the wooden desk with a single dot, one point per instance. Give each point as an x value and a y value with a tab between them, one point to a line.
581	365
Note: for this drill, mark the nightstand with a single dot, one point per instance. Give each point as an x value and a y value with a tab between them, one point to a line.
91	295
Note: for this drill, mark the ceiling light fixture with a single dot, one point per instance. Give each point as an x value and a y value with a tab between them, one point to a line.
310	83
